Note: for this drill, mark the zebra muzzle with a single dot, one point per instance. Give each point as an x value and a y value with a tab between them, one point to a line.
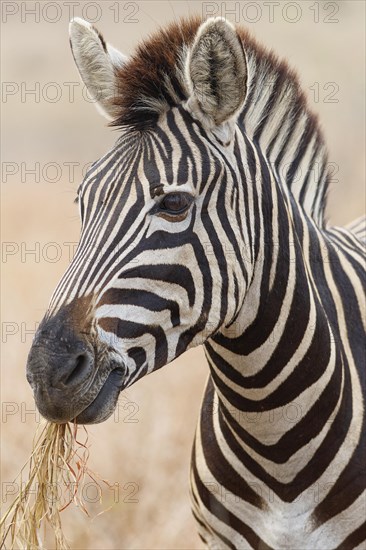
69	380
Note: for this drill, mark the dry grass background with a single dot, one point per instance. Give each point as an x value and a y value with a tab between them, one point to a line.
152	453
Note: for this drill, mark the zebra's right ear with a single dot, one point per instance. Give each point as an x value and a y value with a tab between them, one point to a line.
96	61
216	73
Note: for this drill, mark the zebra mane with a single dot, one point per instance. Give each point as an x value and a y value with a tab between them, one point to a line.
275	112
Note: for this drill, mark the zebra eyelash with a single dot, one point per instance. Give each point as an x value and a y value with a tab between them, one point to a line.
161	208
76	200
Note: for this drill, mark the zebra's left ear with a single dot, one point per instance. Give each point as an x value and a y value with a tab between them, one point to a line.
216	72
97	62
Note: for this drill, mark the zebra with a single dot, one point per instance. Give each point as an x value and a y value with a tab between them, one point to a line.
205	224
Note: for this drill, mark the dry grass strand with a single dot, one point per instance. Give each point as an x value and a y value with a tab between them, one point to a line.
56	467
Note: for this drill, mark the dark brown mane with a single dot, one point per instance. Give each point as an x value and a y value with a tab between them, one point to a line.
142	81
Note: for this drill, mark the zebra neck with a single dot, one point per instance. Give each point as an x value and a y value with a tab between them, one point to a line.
278	357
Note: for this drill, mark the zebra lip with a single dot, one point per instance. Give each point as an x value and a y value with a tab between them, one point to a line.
105	402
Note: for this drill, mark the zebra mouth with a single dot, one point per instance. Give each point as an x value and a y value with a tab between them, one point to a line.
105	402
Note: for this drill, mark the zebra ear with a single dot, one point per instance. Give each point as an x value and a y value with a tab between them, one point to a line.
216	72
96	61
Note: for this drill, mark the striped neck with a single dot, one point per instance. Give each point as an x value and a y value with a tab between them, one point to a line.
276	370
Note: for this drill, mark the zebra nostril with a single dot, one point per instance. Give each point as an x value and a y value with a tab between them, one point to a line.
81	365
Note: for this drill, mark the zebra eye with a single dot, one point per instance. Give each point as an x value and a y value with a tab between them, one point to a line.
175	203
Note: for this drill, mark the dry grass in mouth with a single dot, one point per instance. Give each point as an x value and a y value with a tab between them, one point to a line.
56	472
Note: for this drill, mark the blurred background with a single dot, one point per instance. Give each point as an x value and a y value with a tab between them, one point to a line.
50	132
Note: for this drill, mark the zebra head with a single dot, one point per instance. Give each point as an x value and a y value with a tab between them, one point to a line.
160	266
